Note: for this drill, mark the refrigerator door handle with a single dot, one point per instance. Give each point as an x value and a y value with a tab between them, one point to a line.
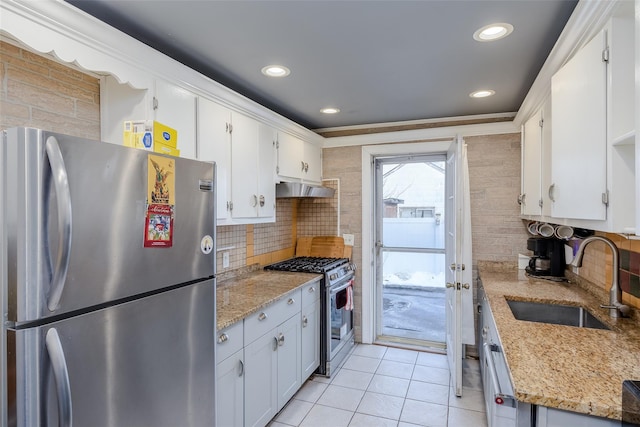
63	194
61	376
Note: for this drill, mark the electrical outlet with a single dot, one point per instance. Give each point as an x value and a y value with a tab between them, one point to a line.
225	259
349	239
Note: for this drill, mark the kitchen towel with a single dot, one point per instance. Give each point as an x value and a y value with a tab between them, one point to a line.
349	303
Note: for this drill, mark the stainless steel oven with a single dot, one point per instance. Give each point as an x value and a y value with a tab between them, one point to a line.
337	330
336	311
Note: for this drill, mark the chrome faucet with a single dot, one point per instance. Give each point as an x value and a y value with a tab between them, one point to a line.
616	308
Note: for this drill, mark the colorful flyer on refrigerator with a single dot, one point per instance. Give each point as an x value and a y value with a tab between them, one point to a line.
159	226
161	184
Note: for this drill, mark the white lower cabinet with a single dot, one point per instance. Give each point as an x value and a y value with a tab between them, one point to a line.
230	391
230	377
276	359
551	417
310	335
261	370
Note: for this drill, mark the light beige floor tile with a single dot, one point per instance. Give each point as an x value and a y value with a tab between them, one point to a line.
353	379
424	413
431	375
395	369
311	391
341	397
363	420
389	385
370	350
428	392
323	416
472	400
433	359
401	355
381	405
294	412
465	418
360	363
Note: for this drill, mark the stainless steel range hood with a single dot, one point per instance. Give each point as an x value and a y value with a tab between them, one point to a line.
297	189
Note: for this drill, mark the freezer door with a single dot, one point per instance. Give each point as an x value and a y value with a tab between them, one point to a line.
76	215
149	362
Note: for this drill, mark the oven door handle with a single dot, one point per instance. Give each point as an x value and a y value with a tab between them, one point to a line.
341	287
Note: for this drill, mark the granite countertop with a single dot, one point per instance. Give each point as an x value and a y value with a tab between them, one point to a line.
238	297
564	367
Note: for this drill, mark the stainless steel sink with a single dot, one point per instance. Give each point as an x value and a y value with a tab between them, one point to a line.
556	314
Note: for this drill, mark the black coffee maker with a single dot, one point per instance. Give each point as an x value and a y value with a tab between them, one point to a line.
548	257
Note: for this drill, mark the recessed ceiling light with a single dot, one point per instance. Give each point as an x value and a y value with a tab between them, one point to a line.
482	93
493	32
276	71
330	110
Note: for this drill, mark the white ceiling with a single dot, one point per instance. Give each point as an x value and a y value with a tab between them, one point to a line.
378	61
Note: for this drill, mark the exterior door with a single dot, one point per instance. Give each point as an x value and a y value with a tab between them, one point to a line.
459	298
410	261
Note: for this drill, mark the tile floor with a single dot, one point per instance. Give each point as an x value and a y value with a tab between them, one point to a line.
386	386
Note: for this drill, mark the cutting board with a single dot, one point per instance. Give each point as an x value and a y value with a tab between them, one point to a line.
327	246
323	246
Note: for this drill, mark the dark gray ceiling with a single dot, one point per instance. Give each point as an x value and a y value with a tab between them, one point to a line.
378	61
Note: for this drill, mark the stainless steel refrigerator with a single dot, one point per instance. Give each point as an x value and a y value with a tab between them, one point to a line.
107	262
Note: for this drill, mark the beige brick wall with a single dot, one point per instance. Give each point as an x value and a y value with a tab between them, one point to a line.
38	92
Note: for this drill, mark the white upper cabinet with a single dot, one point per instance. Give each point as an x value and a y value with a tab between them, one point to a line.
176	108
298	160
536	163
578	149
593	132
530	195
164	102
252	166
214	144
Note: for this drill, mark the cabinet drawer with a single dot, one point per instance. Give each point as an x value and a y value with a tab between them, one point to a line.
229	340
310	293
271	316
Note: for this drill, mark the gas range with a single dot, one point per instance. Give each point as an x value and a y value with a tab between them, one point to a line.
334	269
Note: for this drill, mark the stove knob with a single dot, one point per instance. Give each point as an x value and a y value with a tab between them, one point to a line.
333	276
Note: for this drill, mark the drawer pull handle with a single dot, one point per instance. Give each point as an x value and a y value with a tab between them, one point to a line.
262	316
223	338
291	301
241	366
275	343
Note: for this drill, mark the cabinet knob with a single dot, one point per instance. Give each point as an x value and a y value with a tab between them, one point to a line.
261	200
451	285
306	167
312	290
262	316
305	321
223	338
291	301
280	339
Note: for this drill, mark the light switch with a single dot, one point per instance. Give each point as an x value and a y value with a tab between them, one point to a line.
349	239
225	259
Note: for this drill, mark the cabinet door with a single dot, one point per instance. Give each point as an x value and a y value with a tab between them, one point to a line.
230	391
176	108
119	103
310	339
545	167
214	144
579	134
260	380
288	359
266	171
313	163
531	165
290	156
244	164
